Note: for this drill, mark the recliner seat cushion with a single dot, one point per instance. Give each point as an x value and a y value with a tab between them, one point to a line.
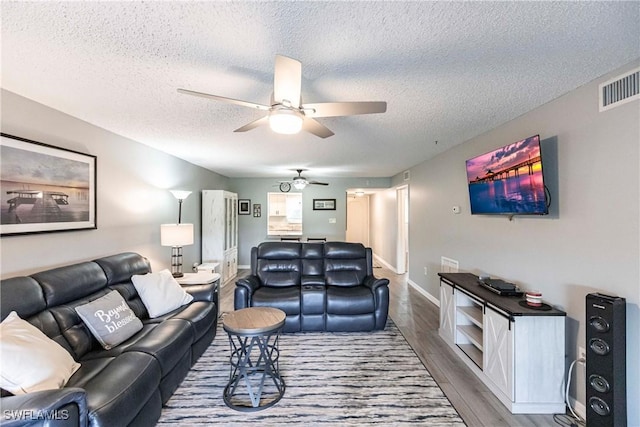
202	316
166	341
350	300
116	393
286	299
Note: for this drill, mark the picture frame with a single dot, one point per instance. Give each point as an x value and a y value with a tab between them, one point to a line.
244	206
324	204
257	210
45	188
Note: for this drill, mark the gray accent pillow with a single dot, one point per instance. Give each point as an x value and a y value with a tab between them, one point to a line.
109	319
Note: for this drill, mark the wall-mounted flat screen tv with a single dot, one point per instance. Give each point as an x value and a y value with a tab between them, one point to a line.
509	180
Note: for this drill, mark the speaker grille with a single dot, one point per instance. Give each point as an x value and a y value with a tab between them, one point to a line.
599	323
606	361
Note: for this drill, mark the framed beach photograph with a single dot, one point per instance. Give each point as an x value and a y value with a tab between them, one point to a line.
244	207
324	204
45	188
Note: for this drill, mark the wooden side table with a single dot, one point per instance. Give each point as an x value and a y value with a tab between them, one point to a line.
254	360
202	278
199	278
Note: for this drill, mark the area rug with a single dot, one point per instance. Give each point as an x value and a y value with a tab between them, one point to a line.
334	379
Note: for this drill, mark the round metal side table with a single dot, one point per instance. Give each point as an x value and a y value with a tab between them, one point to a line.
254	374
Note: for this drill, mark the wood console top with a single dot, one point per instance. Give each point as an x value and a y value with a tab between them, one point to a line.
469	283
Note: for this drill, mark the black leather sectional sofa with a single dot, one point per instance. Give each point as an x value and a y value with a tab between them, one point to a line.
320	286
126	385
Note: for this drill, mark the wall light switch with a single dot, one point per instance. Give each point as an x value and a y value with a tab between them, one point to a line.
332	220
456	209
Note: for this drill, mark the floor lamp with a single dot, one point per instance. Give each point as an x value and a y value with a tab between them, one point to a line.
177	235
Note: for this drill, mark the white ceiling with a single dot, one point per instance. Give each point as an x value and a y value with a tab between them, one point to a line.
448	70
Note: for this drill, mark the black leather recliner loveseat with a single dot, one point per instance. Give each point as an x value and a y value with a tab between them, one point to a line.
126	385
320	286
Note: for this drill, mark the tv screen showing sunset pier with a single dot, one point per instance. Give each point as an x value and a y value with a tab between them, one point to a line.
508	180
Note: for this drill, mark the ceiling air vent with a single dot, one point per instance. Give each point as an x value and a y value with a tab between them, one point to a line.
620	90
406	175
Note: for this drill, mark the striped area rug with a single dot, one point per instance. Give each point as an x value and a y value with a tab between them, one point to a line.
333	379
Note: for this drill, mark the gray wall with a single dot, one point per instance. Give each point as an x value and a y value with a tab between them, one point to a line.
589	242
252	231
133	197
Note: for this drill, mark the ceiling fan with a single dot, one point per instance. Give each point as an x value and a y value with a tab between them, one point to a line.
299	182
286	112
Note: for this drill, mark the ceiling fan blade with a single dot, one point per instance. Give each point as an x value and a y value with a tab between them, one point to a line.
254	124
333	109
314	127
287	79
228	100
317	183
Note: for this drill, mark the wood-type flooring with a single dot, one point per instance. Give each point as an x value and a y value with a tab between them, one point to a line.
418	320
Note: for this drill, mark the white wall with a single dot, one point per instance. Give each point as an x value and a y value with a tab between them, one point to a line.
132	191
383	213
590	241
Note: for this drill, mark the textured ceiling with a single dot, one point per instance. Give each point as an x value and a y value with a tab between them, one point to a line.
448	70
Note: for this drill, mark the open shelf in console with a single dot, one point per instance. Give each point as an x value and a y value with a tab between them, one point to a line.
469	326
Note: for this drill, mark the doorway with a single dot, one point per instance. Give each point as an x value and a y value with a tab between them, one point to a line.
402	198
358	219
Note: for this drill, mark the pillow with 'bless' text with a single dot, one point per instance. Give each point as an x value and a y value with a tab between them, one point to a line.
110	319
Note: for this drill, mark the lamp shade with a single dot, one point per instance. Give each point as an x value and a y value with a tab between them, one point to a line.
176	234
180	194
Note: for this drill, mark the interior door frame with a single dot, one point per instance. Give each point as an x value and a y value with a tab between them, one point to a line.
402	245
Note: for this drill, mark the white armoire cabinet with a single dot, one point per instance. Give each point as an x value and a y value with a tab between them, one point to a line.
220	231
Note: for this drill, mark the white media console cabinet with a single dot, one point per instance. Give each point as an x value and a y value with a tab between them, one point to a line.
517	352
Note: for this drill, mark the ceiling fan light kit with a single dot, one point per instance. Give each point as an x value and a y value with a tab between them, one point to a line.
299	184
287	115
285	121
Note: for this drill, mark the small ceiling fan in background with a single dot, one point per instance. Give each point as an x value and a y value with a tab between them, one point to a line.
299	182
287	114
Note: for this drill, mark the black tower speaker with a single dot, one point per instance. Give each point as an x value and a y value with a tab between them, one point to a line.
606	361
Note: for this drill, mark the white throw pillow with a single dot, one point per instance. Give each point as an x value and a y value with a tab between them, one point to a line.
31	361
110	319
160	292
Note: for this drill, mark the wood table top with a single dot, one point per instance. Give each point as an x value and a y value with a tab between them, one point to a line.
509	304
253	320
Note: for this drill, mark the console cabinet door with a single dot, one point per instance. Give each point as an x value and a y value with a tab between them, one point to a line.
498	351
447	312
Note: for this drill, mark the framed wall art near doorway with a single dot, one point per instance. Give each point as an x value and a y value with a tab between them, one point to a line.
244	206
324	204
45	188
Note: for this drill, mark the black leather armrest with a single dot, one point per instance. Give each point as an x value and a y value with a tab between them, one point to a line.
48	408
372	283
244	291
205	292
250	282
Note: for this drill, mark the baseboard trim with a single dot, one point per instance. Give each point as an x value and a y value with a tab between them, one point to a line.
385	263
426	294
